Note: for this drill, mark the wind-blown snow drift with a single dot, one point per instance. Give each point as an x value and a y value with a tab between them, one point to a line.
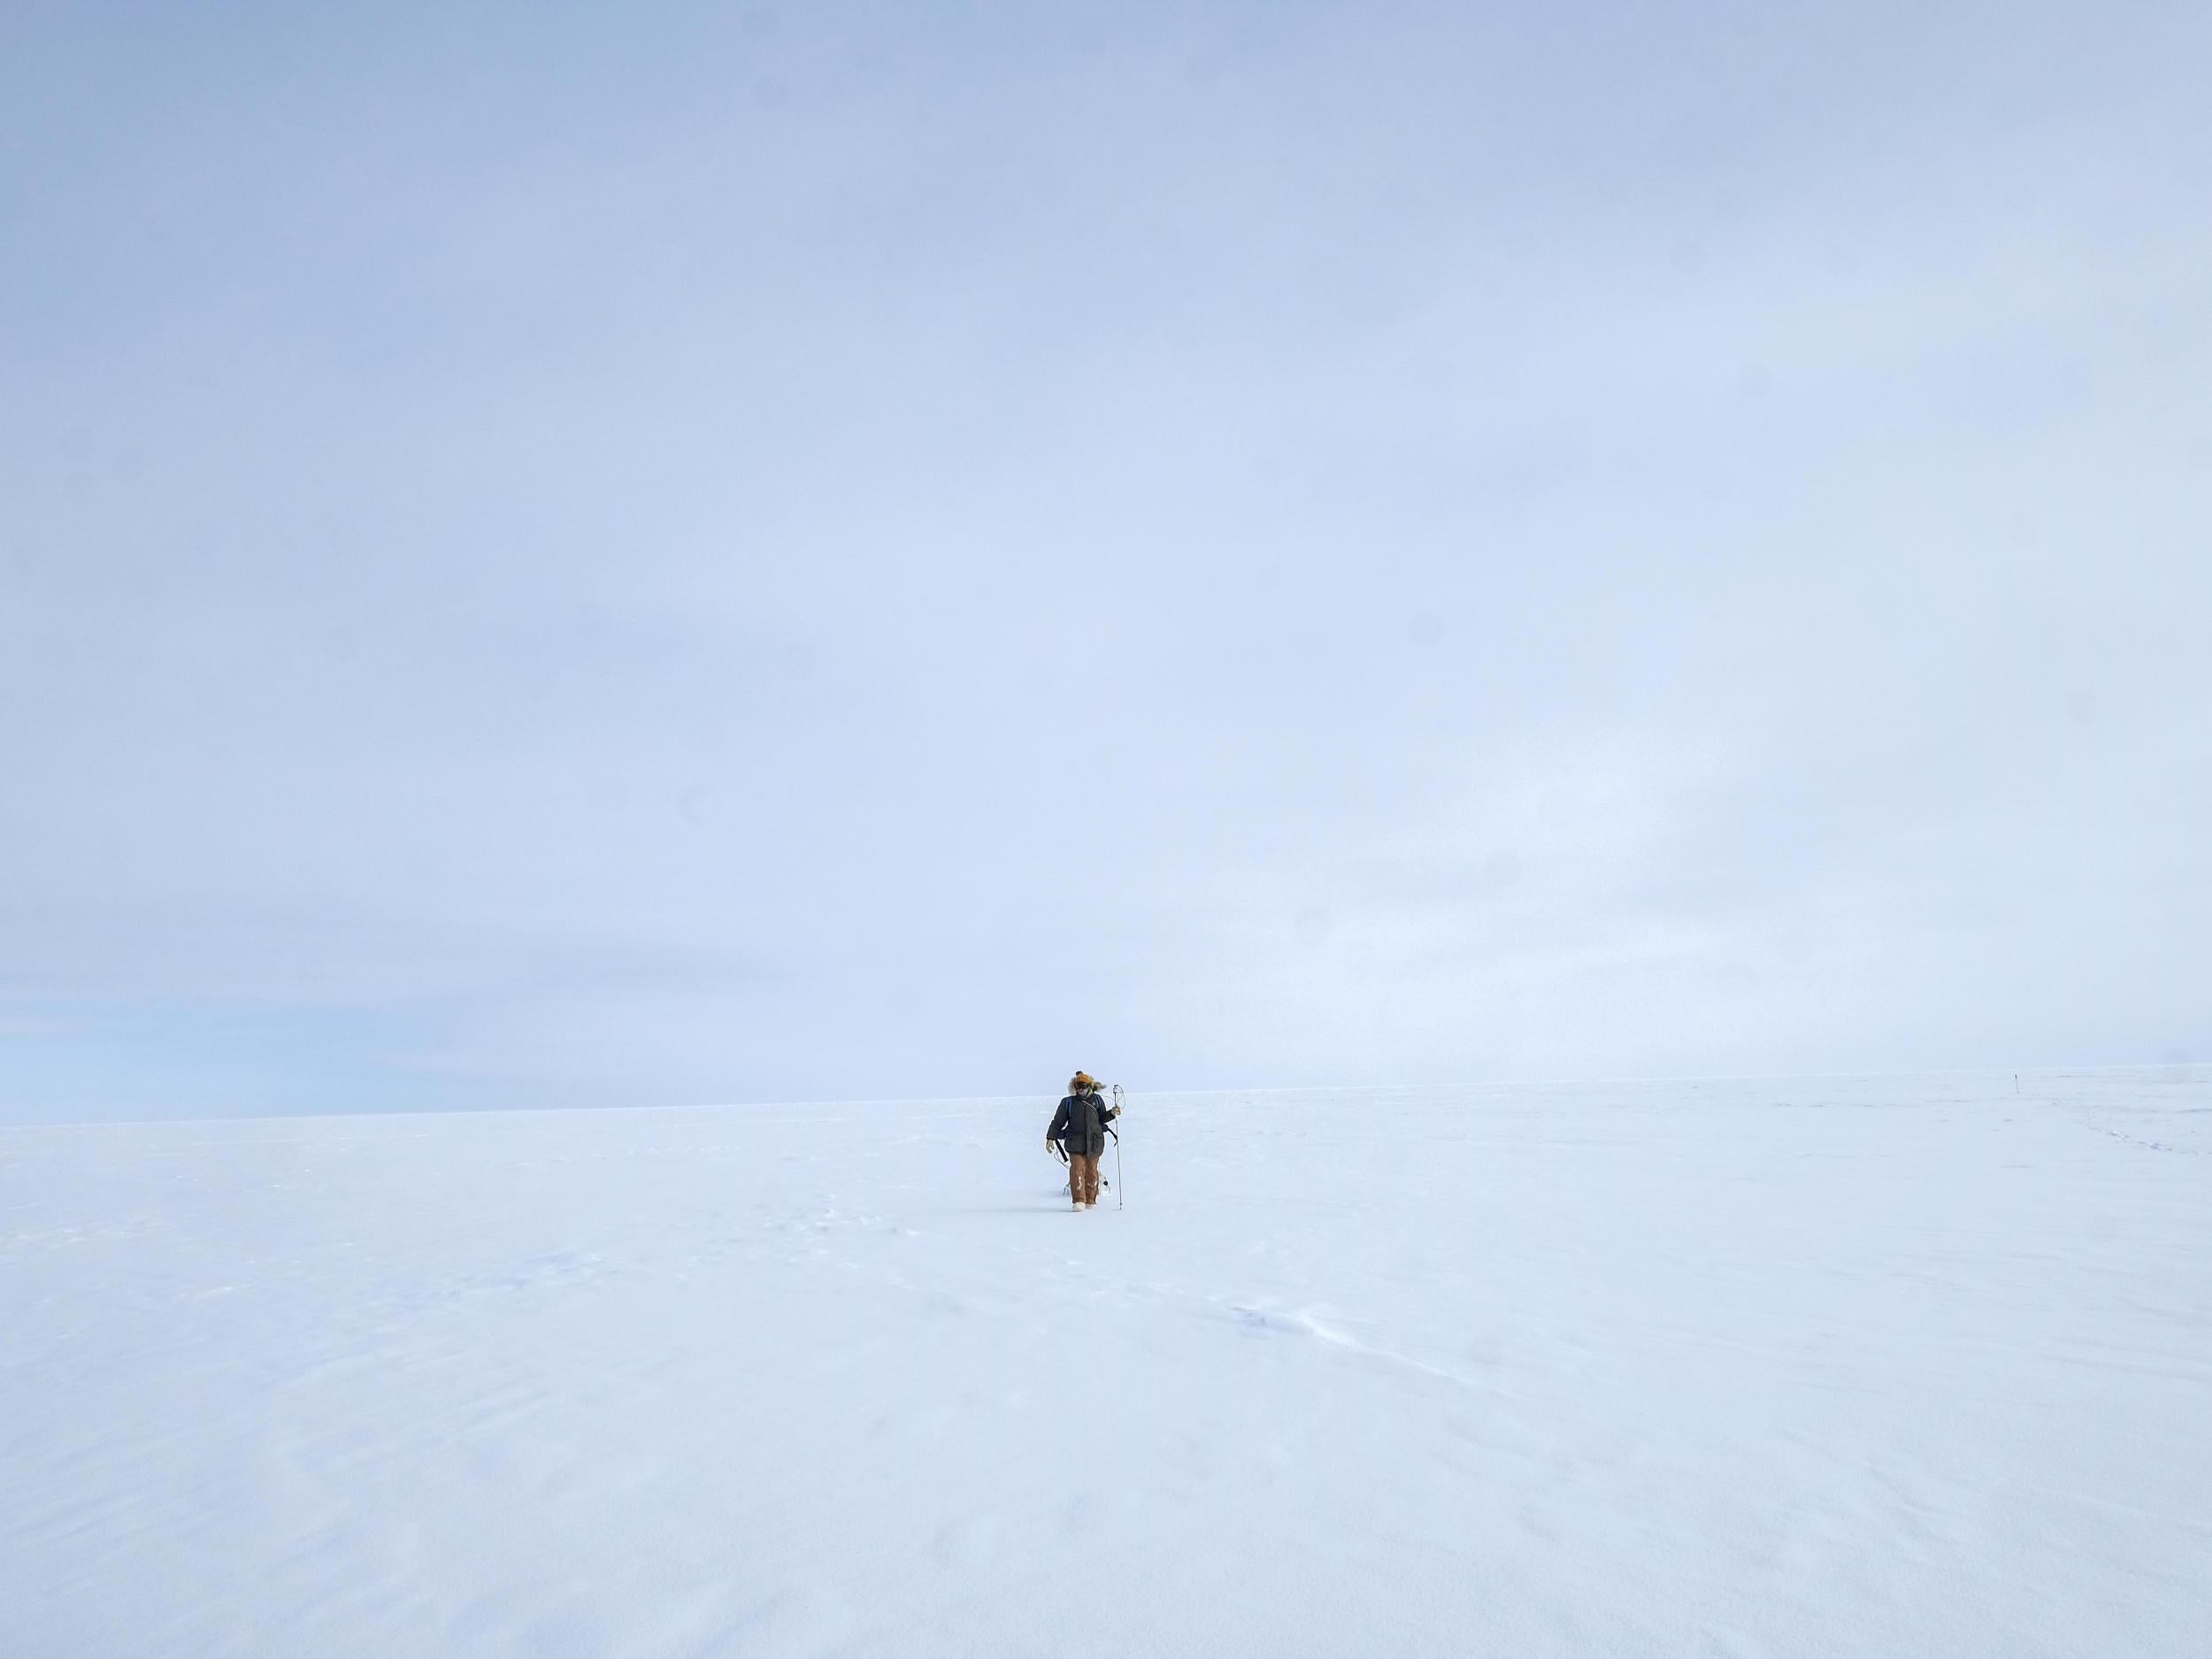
1843	1366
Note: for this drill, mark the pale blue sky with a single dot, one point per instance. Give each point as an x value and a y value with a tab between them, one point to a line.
579	556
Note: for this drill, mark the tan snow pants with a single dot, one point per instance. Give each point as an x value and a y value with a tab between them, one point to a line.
1082	1179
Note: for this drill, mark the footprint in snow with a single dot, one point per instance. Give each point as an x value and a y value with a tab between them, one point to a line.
1278	1322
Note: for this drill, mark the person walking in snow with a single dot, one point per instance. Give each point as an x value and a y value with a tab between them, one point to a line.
1079	1126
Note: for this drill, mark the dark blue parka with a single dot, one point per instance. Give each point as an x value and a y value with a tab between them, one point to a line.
1080	1125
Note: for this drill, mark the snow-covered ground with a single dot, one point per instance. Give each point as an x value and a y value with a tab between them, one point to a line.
1843	1366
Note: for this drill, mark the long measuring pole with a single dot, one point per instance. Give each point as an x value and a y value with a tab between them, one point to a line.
1121	1190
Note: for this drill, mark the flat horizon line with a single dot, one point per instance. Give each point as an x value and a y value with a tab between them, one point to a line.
483	1109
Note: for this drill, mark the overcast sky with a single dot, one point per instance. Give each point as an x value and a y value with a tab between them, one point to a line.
616	554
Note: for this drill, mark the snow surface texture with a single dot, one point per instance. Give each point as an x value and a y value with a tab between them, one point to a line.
1895	1366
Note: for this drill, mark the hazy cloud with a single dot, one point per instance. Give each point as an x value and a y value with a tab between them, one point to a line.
583	558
